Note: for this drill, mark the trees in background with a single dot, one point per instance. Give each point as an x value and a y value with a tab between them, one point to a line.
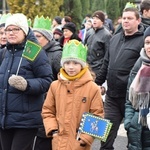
73	8
32	8
76	9
0	7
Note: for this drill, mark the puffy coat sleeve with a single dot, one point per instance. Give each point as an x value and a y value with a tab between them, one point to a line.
43	75
49	112
97	107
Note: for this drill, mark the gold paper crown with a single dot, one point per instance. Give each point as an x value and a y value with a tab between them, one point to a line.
42	23
130	5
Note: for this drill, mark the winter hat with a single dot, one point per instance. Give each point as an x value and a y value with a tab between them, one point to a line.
43	25
74	51
47	34
19	20
58	31
70	26
99	14
58	19
147	32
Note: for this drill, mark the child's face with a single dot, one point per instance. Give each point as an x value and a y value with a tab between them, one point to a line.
147	45
72	68
56	36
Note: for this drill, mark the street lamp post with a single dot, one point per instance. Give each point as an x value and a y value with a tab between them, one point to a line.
4	7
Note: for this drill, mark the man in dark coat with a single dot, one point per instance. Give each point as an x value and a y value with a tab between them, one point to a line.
123	52
97	41
145	15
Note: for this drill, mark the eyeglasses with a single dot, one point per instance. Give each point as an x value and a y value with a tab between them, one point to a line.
15	30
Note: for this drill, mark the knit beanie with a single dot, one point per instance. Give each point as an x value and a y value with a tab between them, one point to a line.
58	31
19	20
58	19
70	26
74	51
99	14
46	33
147	32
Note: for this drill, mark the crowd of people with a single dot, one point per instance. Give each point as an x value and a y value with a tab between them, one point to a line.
51	75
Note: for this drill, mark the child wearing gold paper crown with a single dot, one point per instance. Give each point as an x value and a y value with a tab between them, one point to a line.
73	94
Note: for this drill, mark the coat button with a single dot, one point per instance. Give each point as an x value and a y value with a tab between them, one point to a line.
84	99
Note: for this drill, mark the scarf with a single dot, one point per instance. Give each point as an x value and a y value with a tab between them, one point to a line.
79	75
66	40
139	90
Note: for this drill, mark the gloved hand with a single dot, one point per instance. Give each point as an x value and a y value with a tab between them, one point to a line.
18	82
148	120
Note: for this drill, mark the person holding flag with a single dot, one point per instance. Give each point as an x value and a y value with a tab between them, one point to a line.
25	76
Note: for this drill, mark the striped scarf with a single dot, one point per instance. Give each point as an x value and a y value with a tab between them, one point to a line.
139	92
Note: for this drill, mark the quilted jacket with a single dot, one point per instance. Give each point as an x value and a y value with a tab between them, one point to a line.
65	103
22	109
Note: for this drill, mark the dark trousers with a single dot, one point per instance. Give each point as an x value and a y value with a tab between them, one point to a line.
17	139
43	143
114	109
0	147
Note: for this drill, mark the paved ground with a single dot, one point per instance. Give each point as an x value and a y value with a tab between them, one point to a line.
120	143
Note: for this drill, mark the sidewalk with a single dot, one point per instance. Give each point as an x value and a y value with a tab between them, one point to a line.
120	142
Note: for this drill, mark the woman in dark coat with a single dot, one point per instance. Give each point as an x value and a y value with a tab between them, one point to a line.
25	76
137	122
54	52
69	33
